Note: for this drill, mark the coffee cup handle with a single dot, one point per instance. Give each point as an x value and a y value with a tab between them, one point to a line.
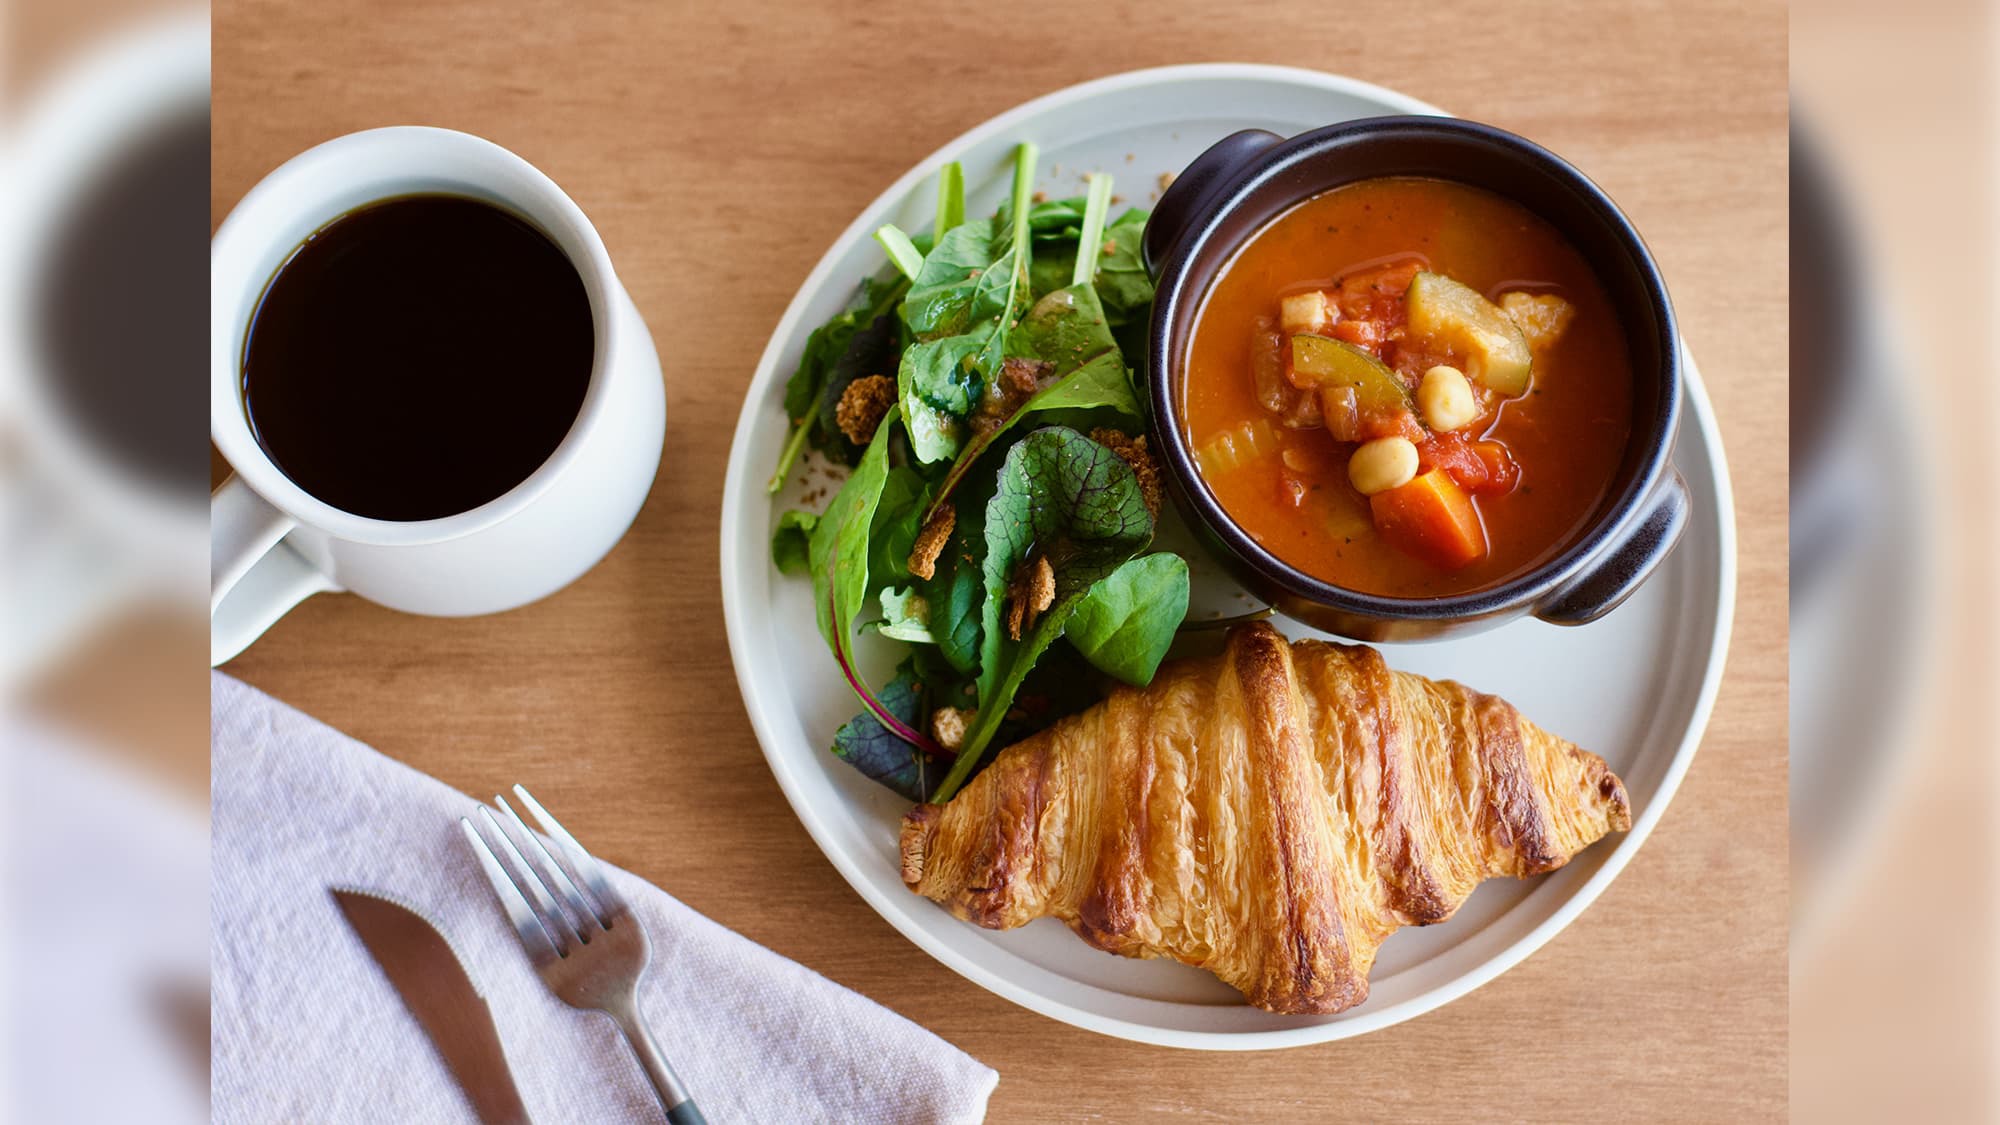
253	577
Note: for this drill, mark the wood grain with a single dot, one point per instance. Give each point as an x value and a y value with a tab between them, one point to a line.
719	152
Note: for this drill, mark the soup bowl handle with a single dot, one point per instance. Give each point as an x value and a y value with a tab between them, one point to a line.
1613	576
1196	188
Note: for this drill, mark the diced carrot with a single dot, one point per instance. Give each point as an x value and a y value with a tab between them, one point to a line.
1432	518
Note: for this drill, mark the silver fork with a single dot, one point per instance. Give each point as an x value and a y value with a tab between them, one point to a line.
592	954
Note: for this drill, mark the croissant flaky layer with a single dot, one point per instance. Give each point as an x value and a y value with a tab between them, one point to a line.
1270	814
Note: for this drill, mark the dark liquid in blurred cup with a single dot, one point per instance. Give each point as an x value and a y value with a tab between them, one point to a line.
122	306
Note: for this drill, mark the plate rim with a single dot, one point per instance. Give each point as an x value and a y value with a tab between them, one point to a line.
739	475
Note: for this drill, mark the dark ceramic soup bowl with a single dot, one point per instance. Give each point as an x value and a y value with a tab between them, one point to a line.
1236	188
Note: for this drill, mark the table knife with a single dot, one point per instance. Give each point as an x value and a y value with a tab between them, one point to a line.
435	987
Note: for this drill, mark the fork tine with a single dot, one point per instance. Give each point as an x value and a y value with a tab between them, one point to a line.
559	925
562	885
527	925
580	861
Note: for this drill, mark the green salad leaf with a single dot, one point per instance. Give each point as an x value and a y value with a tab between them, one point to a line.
1065	329
898	514
791	543
938	384
879	752
1047	527
806	401
957	591
963	301
972	261
1056	220
906	616
838	550
871	350
1122	281
1067	499
1123	285
1124	624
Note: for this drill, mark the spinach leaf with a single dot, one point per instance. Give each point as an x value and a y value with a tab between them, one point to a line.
1123	284
1055	226
1065	498
906	616
956	590
957	618
942	297
805	391
791	542
840	559
838	551
964	300
1125	622
1051	270
1056	220
938	386
898	518
822	348
879	752
1067	329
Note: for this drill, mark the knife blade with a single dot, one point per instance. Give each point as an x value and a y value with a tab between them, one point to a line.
435	987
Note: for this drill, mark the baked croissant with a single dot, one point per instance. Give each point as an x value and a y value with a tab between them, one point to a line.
1270	814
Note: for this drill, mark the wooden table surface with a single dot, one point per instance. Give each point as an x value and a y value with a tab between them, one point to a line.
719	152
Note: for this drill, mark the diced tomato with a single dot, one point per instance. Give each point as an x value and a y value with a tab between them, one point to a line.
1376	293
1360	333
1401	424
1432	518
1411	358
1483	468
1455	456
1502	471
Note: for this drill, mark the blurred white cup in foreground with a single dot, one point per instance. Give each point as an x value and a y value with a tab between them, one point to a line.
100	242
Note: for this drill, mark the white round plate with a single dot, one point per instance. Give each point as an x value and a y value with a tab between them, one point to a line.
1636	686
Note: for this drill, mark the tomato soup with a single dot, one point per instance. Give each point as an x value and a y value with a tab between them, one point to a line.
1408	387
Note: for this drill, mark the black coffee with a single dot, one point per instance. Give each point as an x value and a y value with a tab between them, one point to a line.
418	357
122	310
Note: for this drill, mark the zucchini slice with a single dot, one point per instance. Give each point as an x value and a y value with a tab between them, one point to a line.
1329	362
1454	314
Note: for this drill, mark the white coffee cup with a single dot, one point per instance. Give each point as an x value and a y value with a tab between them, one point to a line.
84	536
273	544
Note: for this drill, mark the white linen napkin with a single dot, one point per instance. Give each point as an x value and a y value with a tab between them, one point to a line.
306	1027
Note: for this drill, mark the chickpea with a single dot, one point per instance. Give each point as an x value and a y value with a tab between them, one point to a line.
1446	398
1382	464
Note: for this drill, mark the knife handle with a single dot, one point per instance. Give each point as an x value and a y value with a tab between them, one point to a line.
685	1114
